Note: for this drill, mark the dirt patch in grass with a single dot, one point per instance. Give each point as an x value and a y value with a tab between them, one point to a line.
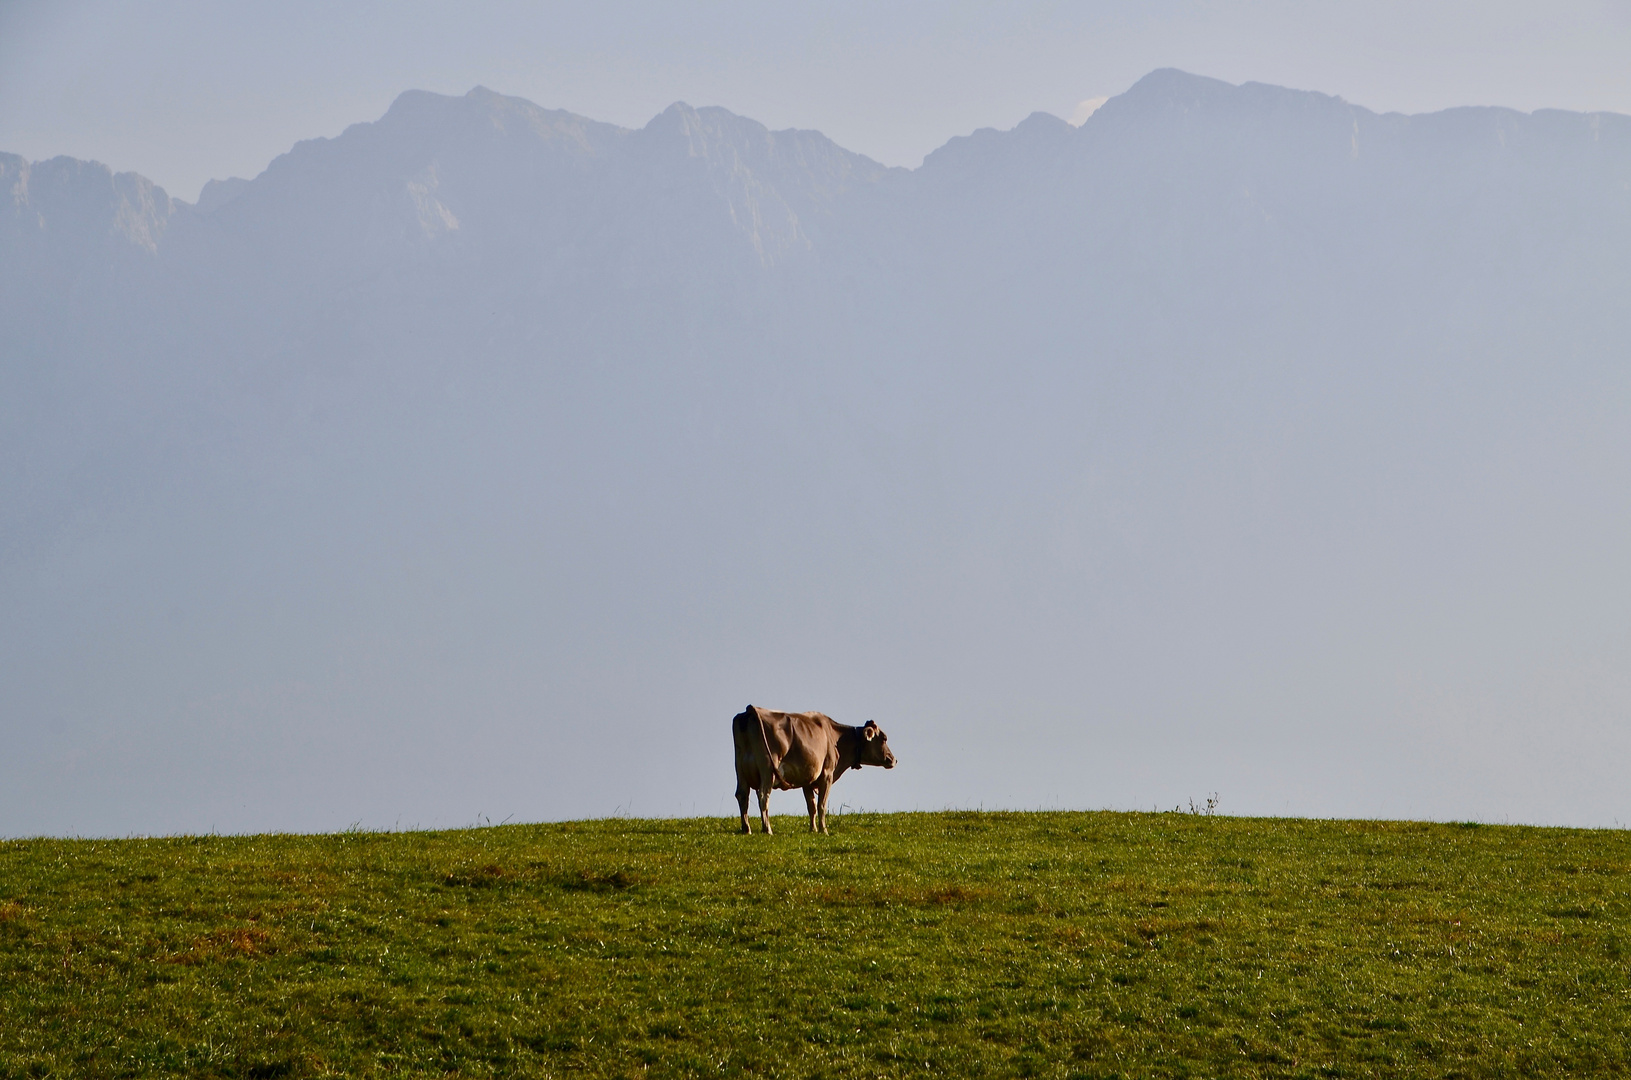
226	944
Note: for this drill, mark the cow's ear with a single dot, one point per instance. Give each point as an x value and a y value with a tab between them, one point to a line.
871	731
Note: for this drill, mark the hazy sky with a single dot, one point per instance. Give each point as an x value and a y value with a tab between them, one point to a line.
184	90
1173	459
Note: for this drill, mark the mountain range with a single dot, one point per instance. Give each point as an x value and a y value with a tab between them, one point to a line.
488	458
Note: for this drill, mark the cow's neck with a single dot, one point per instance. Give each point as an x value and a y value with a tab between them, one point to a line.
857	744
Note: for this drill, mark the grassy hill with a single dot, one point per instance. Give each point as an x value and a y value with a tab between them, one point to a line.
971	944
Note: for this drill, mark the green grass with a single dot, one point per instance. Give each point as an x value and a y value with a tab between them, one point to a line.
1054	944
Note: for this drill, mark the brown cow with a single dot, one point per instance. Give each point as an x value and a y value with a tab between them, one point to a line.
799	750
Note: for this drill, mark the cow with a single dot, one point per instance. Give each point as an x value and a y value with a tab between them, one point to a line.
799	750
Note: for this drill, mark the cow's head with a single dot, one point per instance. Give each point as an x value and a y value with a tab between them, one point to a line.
875	747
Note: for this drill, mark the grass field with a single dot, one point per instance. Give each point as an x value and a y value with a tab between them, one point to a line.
970	944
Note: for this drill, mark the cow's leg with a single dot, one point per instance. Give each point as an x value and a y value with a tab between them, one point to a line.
810	804
764	812
823	789
742	802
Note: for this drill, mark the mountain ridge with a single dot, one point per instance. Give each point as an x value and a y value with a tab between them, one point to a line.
144	211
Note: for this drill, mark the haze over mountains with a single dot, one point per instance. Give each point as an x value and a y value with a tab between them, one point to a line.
486	459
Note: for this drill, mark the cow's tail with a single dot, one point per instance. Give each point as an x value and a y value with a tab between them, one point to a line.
764	741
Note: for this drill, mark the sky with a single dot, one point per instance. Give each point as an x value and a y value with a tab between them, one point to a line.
1135	531
184	91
